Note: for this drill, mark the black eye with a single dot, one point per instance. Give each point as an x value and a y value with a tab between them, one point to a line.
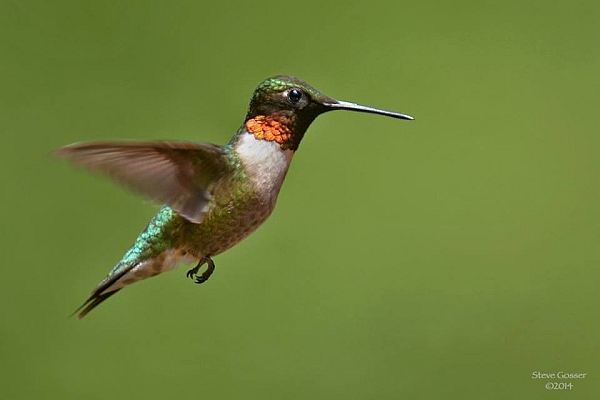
294	95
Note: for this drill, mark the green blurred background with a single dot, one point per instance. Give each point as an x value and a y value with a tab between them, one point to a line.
449	257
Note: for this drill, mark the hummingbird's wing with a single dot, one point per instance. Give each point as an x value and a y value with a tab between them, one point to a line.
178	174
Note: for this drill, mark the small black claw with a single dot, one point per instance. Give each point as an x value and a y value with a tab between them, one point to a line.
192	272
206	274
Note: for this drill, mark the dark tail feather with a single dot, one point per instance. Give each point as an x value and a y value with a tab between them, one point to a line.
91	303
99	294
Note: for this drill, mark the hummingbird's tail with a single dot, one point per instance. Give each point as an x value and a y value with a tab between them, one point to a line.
129	270
101	292
94	300
150	255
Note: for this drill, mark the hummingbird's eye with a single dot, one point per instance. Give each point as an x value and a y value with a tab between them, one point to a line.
294	95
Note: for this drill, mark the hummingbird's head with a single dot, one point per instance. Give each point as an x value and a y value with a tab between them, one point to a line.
283	107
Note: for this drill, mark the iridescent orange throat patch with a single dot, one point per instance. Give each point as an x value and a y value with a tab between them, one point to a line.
271	129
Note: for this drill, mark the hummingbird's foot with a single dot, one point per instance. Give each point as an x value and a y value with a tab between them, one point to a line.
192	272
209	270
206	274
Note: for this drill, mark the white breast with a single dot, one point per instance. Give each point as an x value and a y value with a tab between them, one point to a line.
265	162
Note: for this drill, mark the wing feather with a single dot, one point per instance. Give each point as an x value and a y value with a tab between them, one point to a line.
179	174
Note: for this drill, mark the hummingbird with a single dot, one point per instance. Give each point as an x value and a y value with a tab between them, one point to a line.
213	196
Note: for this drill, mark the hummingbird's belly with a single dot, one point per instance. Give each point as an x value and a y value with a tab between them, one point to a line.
220	231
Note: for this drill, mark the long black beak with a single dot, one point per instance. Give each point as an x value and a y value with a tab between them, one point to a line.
345	105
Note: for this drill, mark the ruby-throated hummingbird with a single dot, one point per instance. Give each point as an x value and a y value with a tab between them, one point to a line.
215	196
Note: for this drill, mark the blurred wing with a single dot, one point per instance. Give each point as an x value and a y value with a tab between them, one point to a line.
179	174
